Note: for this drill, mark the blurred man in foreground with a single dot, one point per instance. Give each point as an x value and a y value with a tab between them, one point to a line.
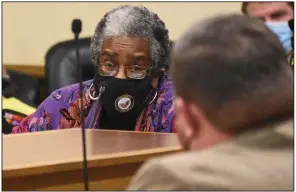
235	118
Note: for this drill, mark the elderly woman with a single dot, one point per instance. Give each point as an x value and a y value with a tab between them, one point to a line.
130	91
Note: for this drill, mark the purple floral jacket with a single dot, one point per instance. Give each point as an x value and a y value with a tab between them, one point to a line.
61	110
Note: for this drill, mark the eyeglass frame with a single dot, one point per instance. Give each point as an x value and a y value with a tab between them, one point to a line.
147	71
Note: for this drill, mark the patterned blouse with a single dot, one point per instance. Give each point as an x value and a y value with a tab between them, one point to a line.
61	110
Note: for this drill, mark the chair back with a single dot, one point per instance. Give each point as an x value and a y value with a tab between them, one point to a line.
61	67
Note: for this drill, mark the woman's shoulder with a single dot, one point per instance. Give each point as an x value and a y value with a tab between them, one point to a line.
66	95
74	87
166	88
164	111
70	90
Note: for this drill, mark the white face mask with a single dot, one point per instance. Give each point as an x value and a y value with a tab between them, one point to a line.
284	33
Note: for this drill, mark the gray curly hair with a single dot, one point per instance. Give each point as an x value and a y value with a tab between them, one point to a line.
133	21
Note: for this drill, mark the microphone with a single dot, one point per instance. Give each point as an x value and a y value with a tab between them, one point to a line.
76	29
103	85
102	88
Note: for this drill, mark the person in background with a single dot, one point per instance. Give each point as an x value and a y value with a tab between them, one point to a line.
291	56
276	16
13	109
130	49
236	118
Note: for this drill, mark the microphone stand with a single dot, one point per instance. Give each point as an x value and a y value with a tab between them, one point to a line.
76	29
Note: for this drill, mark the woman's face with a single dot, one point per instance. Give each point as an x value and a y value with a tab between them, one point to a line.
125	57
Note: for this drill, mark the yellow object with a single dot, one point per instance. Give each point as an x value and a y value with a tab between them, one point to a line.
16	105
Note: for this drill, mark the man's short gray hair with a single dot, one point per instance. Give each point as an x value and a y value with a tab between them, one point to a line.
230	59
133	21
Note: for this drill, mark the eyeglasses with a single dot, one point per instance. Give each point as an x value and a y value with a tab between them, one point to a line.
131	71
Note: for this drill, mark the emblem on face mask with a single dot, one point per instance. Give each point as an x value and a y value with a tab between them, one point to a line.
124	103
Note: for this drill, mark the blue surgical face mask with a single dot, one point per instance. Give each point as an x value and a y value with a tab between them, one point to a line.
284	33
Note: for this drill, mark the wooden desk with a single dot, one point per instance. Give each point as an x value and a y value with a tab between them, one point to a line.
52	160
33	70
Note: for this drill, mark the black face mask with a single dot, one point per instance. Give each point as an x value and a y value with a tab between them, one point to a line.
124	97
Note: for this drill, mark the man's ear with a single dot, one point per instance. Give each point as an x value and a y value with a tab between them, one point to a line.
183	123
196	116
193	117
